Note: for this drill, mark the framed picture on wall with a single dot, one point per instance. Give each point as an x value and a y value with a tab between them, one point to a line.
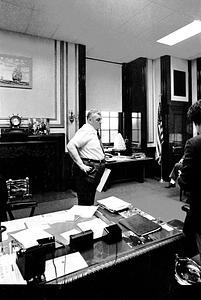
15	71
179	85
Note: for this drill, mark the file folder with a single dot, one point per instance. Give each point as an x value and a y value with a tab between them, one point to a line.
140	225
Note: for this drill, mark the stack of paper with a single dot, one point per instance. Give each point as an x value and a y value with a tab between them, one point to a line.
9	272
114	204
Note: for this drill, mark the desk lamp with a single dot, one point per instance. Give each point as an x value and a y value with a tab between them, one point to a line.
119	143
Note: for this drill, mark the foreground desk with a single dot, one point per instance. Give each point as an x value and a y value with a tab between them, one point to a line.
117	270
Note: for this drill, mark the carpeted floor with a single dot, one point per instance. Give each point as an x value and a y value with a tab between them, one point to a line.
150	196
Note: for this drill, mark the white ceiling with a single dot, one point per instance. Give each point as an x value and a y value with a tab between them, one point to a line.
114	30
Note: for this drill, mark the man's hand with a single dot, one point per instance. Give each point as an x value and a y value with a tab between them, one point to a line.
85	168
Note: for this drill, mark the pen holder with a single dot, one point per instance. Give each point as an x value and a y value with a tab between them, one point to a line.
114	234
81	240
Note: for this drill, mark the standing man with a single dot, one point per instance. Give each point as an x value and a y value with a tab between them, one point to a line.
86	150
190	177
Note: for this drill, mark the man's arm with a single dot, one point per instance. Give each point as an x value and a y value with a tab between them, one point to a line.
74	154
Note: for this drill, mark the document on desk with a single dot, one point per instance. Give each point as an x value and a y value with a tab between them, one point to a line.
9	272
113	204
84	211
14	225
96	225
58	217
28	238
36	221
63	265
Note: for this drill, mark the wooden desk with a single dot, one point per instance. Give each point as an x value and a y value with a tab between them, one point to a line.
40	157
116	271
125	169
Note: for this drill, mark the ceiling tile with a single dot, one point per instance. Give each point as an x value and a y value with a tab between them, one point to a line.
14	18
21	3
164	27
188	7
41	24
150	15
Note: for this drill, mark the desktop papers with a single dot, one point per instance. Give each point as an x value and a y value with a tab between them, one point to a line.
96	225
58	217
9	272
114	204
83	211
15	225
63	265
28	238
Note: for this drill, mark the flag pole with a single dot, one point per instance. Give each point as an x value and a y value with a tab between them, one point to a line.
161	180
160	140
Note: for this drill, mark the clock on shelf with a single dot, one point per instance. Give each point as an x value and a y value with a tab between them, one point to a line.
14	132
15	121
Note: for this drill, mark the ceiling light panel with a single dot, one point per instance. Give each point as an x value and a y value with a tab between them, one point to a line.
182	34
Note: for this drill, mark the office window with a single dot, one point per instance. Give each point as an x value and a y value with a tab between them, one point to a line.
109	126
136	129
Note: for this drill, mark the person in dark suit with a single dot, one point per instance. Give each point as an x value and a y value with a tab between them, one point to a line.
190	177
3	198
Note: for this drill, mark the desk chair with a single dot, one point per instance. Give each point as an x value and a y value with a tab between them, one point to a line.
19	196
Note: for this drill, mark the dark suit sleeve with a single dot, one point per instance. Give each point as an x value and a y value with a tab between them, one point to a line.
185	179
3	199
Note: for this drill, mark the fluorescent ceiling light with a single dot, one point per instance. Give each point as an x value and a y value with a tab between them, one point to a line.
182	33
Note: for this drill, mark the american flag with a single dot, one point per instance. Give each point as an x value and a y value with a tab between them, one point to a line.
159	139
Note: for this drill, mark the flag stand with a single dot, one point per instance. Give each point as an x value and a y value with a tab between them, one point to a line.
161	180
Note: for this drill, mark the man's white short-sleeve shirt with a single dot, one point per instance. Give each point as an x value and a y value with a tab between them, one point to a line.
87	143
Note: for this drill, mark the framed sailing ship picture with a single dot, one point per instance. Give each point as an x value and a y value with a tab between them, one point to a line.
15	71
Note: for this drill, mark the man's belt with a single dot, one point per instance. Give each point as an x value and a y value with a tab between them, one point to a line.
96	161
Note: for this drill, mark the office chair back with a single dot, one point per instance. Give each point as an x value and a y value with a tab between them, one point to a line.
19	196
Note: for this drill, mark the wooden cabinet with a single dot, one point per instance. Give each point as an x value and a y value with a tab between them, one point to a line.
40	157
134	98
174	116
